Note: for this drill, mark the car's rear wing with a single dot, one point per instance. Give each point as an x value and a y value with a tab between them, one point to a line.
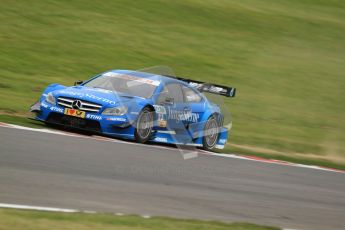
210	88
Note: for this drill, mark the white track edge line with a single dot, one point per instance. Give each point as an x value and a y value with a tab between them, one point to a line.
94	137
234	156
38	208
63	210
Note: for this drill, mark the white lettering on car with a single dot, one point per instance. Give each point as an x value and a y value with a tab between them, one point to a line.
93	117
115	119
100	99
72	93
161	139
183	115
56	109
87	95
44	105
160	109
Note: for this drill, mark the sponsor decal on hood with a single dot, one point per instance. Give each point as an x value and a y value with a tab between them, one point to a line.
101	98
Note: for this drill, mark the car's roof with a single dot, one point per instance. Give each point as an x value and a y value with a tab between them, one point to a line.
151	76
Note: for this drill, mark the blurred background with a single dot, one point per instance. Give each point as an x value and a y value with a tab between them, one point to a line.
286	58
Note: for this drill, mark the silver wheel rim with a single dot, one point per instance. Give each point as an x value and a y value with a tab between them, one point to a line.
211	132
144	125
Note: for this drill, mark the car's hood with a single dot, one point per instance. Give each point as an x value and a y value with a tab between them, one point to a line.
95	95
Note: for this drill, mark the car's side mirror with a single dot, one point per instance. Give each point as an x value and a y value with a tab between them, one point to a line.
169	101
79	82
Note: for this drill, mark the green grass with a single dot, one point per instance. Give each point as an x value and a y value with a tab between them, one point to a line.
300	159
287	58
35	220
24	121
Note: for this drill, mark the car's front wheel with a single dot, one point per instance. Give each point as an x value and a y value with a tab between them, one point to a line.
211	133
144	125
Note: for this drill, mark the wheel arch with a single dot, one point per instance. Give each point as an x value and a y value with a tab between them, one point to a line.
137	135
218	119
148	106
217	114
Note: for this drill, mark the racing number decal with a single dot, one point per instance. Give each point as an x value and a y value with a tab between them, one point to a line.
75	113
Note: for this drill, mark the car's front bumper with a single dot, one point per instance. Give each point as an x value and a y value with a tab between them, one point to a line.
111	125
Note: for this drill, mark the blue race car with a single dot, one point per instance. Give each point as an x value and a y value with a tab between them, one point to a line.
139	106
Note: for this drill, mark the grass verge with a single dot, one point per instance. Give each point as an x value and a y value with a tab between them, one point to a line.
24	121
312	160
23	219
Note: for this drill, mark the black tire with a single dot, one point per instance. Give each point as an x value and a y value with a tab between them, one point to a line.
144	125
211	133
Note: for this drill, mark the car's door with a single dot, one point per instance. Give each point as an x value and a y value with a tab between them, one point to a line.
184	108
194	103
171	97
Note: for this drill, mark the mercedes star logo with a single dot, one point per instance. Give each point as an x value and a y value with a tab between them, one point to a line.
76	104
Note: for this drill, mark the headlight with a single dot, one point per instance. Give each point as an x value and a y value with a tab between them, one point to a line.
51	99
116	111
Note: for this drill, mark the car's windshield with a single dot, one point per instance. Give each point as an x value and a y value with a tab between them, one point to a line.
126	84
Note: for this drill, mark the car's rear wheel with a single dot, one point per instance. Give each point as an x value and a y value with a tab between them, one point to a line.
211	133
144	125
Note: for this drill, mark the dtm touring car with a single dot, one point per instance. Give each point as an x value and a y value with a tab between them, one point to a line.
140	106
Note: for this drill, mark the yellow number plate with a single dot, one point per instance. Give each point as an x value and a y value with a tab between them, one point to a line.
75	113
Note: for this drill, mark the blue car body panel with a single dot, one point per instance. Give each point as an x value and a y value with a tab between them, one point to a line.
183	128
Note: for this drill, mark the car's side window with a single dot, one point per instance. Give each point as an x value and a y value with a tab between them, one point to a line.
162	96
190	96
173	91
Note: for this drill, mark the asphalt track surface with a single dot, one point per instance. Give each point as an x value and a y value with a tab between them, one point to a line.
51	170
